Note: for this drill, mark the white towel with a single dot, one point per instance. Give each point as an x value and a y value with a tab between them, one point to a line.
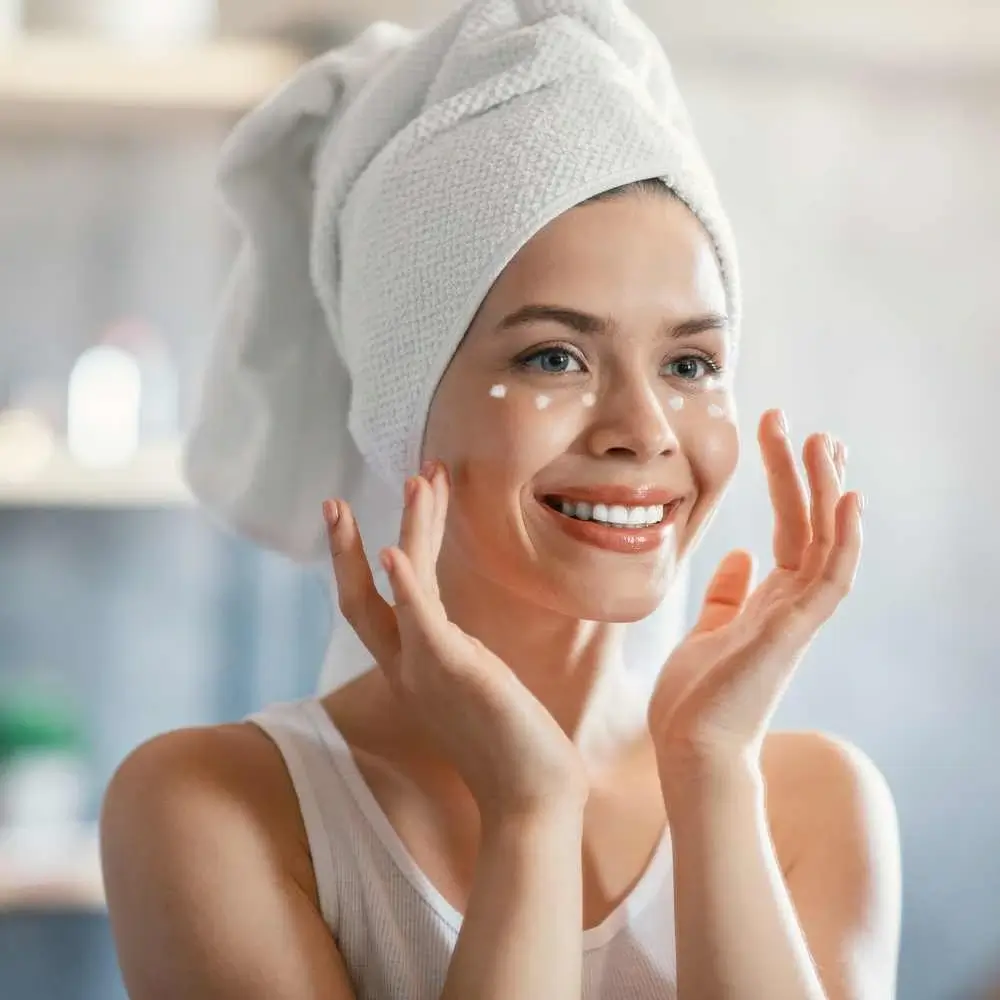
378	196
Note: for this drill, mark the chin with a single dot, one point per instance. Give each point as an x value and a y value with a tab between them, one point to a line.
603	602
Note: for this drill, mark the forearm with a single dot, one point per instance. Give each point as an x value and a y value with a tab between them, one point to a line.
737	934
522	932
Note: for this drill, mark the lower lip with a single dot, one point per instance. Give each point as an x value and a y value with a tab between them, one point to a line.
633	541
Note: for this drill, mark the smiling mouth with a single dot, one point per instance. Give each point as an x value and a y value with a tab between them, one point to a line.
622	516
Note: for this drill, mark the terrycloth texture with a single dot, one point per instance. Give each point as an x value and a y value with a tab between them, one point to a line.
379	196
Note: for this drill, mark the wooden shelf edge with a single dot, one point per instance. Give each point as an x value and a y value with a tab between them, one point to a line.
73	883
153	479
52	896
53	71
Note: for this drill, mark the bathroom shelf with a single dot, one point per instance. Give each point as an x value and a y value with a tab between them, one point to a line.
62	78
78	891
73	883
152	479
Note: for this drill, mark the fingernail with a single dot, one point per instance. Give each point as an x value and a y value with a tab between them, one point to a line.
783	422
409	490
861	503
331	513
831	448
428	469
386	560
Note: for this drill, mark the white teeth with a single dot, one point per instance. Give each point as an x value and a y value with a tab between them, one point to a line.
616	515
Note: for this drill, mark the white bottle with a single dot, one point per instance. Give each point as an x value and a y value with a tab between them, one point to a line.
43	782
103	407
155	23
11	20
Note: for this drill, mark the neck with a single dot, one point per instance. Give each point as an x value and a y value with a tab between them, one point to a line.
575	668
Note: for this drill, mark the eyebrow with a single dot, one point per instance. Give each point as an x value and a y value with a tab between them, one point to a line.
587	323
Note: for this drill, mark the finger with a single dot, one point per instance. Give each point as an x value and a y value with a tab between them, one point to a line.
788	495
727	591
421	618
360	602
442	494
834	583
840	461
415	532
824	487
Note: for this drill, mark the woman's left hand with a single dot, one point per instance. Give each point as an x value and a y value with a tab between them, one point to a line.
718	691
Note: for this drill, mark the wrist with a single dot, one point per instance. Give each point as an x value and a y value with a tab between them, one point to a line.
696	777
556	816
559	825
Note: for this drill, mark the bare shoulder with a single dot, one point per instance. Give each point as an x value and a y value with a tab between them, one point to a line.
232	774
208	874
823	789
836	836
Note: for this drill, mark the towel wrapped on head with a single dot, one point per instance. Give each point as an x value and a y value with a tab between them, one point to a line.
378	197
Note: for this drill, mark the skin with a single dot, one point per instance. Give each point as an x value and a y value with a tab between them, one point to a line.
190	814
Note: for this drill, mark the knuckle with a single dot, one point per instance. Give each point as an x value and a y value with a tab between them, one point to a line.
837	586
823	536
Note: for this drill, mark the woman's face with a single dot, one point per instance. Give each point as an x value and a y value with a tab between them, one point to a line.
592	389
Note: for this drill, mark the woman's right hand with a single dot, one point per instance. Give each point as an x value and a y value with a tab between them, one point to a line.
514	758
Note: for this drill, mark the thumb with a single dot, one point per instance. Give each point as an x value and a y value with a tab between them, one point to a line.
727	591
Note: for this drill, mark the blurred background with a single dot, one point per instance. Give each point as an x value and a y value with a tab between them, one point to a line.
857	146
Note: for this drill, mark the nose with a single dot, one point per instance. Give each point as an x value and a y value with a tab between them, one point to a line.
630	421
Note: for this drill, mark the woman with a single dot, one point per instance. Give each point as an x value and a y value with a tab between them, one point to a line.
495	807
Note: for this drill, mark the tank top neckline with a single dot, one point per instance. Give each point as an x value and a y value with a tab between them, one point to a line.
649	882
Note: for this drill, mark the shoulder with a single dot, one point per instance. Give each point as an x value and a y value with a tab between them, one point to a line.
820	766
823	790
207	873
836	836
183	794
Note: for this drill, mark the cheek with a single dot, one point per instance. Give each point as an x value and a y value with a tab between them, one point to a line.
717	453
710	440
506	435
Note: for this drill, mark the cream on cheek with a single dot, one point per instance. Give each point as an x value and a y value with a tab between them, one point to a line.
720	403
715	402
537	424
541	400
711	442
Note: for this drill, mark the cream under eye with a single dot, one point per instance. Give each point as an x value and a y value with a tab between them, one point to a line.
550	361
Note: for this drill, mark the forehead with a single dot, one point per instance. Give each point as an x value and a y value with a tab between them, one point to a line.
636	251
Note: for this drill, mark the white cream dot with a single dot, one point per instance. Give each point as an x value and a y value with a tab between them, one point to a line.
714	410
498	391
542	401
589	399
676	402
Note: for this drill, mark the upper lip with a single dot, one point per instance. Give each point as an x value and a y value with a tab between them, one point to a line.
628	496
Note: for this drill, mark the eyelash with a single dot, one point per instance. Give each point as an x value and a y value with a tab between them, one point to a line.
710	360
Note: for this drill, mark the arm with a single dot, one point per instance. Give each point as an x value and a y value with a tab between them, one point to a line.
832	934
208	876
212	896
522	933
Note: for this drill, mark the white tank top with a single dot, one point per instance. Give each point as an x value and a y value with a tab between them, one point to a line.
395	931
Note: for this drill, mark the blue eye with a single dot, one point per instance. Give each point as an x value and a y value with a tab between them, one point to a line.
552	361
692	367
